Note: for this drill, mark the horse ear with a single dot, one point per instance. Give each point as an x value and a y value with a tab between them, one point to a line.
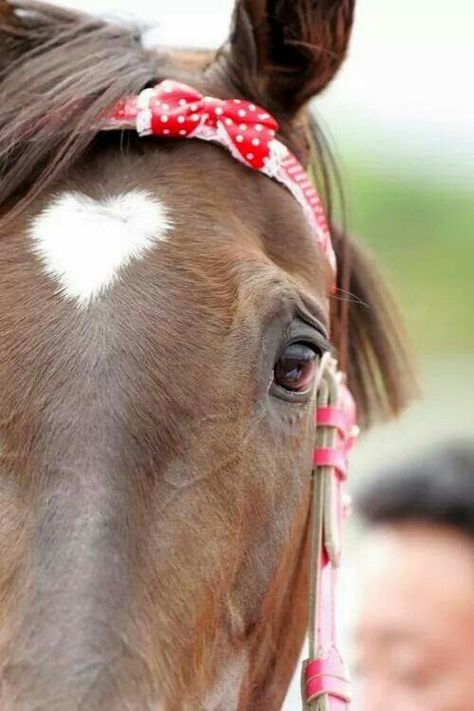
284	52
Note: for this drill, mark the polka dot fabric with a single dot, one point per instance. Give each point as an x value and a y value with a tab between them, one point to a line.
174	110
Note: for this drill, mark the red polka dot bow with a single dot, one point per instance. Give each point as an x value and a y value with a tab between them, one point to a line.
174	110
179	111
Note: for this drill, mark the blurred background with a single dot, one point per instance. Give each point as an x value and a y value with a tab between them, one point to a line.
401	115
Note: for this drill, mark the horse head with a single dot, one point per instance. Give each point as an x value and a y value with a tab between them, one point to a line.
163	314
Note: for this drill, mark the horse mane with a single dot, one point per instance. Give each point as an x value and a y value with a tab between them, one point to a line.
59	72
367	328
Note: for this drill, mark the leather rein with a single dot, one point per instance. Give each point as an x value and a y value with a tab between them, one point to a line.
248	132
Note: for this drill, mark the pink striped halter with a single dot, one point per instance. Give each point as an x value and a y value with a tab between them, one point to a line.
248	132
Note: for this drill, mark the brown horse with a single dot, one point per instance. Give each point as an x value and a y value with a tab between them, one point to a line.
155	457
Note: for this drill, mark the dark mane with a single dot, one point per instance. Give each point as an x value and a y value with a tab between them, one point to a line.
367	327
369	332
62	70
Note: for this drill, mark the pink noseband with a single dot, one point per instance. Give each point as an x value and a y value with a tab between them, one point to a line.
248	132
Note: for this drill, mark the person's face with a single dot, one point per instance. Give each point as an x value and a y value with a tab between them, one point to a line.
415	632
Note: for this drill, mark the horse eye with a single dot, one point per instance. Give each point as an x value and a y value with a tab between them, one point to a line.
296	368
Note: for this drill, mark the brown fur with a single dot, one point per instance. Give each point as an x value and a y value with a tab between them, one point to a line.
154	496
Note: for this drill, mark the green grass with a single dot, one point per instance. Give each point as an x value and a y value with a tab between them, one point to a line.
423	234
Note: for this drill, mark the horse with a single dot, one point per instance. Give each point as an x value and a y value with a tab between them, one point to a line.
163	315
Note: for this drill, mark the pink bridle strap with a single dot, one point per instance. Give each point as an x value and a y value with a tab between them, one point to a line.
174	110
343	420
331	457
327	676
325	683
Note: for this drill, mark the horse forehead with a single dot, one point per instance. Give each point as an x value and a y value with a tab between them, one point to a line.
84	243
149	215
